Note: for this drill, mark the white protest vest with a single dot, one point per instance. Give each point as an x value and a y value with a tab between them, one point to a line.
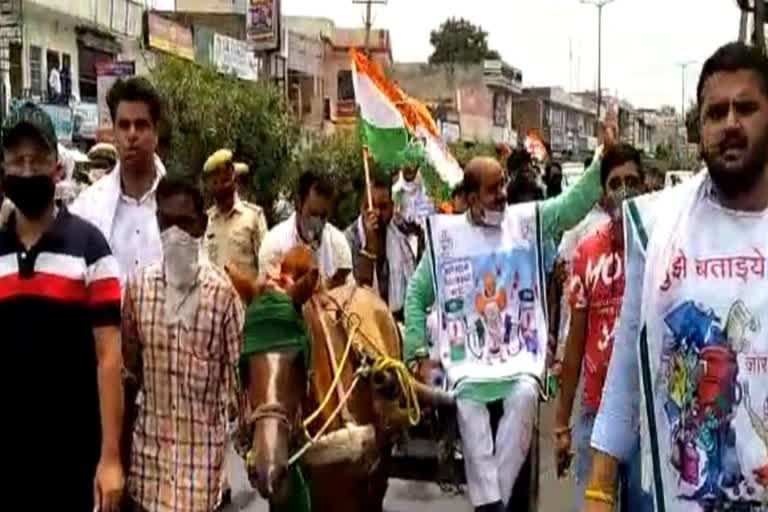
703	349
490	298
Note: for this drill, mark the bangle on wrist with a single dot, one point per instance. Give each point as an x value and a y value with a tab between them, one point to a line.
598	495
368	254
558	431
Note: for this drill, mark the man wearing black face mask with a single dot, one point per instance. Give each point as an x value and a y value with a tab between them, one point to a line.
60	312
235	227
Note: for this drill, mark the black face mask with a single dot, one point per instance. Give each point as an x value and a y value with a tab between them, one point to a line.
32	195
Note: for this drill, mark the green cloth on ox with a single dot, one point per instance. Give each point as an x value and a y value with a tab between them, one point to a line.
272	324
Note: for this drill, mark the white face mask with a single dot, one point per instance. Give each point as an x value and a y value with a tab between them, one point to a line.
410	186
181	254
493	218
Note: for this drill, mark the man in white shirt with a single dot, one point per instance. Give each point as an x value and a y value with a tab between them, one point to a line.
688	365
54	84
122	203
309	225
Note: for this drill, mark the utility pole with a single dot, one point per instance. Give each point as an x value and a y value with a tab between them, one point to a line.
369	20
599	4
683	68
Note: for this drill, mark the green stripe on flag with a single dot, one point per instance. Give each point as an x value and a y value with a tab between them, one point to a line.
384	144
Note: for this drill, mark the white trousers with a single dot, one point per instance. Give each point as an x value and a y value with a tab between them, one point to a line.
492	468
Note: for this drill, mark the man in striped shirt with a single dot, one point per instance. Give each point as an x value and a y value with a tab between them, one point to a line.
60	318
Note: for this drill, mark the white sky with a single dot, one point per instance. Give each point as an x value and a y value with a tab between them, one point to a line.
643	40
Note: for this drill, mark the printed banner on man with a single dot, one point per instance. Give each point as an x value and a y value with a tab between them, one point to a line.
703	349
489	297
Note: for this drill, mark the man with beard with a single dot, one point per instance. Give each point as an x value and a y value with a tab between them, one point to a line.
122	203
309	225
381	254
182	336
492	464
696	303
596	289
235	227
60	315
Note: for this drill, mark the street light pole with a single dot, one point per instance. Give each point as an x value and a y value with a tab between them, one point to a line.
684	67
369	20
599	59
599	4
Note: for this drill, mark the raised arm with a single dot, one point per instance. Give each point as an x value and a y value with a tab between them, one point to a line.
565	211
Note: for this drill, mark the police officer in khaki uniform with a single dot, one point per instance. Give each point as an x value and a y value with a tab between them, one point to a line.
235	227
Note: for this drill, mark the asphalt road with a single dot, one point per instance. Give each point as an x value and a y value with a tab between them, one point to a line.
404	496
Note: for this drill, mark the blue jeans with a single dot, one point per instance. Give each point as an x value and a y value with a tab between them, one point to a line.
630	492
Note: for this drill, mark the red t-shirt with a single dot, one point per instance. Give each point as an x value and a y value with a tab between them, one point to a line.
597	287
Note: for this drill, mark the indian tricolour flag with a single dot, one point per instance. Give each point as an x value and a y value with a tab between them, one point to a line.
389	119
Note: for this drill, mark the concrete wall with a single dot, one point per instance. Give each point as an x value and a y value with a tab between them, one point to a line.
310	26
435	83
232	25
338	60
527	115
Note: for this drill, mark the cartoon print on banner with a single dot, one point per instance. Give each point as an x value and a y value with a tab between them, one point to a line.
705	388
489	305
490	308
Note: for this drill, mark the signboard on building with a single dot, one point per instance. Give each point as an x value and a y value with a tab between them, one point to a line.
500	109
62	121
86	120
107	73
263	24
234	57
450	132
169	36
504	135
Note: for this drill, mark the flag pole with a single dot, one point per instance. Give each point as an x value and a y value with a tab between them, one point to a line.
367	178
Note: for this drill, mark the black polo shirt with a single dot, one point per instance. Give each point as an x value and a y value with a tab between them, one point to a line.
51	298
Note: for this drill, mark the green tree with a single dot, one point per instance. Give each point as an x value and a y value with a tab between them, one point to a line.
339	156
458	41
664	152
464	151
206	111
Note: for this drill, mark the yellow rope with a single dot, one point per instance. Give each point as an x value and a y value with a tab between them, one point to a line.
381	363
336	378
312	440
385	363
